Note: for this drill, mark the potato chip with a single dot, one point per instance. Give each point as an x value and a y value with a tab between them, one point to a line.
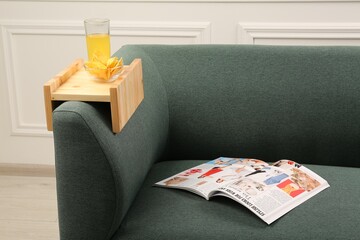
102	67
96	65
99	57
111	62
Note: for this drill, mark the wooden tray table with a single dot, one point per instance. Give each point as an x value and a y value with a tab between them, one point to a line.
75	84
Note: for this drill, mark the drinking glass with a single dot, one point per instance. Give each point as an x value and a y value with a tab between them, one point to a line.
97	37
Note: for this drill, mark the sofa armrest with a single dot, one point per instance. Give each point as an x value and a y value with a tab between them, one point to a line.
98	172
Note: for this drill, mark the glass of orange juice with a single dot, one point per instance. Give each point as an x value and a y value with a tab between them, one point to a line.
97	37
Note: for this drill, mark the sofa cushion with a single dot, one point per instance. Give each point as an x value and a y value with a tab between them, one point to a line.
296	101
160	213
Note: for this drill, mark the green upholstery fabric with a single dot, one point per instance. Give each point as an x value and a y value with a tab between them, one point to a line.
86	150
201	102
161	214
85	184
267	102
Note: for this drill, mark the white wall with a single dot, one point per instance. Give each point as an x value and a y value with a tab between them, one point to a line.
40	38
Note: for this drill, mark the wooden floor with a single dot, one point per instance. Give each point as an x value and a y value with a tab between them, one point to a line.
28	208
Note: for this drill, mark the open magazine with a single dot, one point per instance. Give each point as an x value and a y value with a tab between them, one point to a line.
268	190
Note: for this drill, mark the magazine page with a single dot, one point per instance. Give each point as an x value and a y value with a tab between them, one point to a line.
273	190
208	177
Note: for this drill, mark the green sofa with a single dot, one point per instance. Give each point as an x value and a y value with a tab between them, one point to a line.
202	102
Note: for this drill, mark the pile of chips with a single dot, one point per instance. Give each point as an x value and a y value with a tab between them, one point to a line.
102	67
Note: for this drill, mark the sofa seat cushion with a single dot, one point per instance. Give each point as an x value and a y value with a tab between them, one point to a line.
161	213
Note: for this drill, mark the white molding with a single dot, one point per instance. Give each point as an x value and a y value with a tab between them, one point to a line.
31	170
249	32
199	31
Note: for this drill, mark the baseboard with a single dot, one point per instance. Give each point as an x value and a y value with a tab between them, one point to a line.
29	170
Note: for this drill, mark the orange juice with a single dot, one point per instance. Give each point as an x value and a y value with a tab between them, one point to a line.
98	43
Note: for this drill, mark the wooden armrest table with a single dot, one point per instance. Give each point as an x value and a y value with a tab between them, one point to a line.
75	84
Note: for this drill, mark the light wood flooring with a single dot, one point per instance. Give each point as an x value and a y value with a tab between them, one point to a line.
28	209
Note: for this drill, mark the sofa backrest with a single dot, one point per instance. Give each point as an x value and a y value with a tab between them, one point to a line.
267	102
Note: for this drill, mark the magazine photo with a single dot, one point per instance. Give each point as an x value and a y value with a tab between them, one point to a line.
268	190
